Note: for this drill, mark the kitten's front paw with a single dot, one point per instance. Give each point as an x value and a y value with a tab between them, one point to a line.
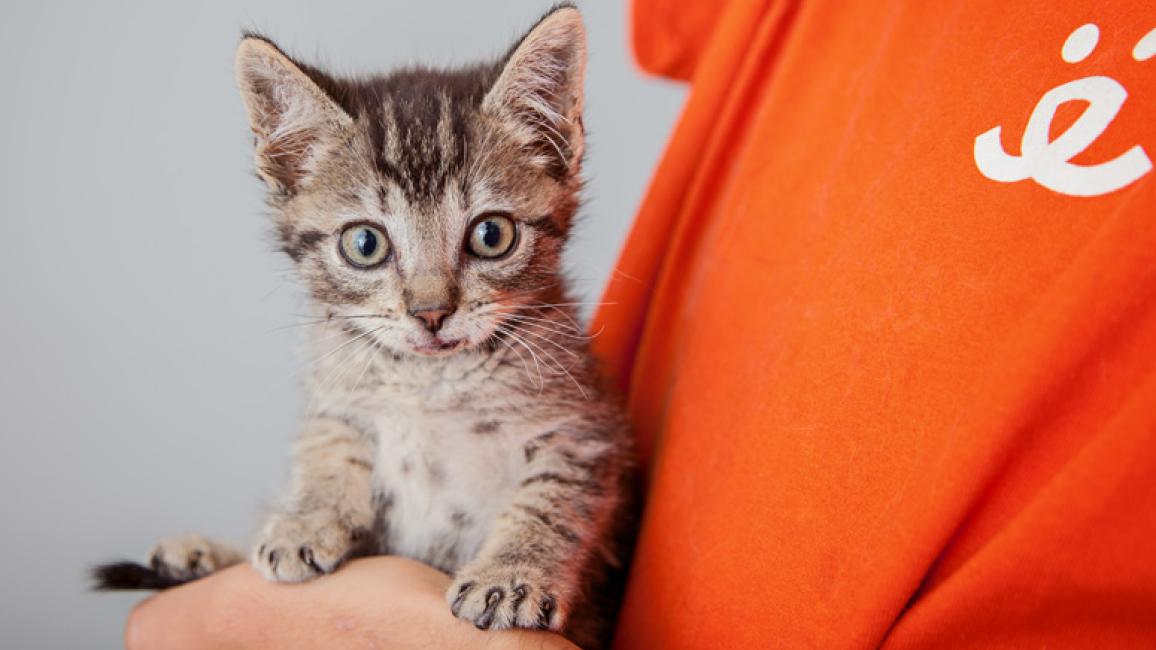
296	548
498	596
191	556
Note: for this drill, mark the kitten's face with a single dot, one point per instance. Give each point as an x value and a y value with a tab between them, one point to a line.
424	207
440	264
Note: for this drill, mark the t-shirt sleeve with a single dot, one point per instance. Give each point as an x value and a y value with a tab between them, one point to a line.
671	35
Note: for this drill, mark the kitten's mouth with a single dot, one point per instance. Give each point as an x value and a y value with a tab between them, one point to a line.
436	346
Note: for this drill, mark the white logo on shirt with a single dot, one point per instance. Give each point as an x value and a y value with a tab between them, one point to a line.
1048	163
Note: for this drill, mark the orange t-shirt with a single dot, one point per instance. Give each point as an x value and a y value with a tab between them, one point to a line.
887	327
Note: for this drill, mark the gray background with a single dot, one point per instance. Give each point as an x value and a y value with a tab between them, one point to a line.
145	391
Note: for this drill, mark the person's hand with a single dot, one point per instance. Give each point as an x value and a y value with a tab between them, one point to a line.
381	602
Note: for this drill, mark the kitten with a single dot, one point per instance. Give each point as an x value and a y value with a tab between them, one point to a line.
456	414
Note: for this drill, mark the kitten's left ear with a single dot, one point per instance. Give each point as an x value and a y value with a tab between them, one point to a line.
539	93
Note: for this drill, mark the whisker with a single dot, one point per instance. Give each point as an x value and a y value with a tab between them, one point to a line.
517	339
368	362
525	365
294	325
331	378
318	321
561	367
569	304
561	312
339	348
560	329
550	341
543	319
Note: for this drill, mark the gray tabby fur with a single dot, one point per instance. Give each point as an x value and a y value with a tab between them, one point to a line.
490	449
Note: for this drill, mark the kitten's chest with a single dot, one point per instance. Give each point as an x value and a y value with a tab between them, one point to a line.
451	441
445	477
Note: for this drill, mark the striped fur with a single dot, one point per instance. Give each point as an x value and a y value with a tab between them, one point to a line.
490	448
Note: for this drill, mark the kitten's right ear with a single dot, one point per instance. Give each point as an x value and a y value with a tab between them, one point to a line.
291	116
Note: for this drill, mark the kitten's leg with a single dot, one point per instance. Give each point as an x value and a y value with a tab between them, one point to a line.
529	572
329	512
192	556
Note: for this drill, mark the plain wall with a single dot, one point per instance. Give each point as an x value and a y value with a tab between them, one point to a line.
145	388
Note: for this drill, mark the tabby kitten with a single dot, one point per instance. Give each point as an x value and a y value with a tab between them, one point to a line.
456	414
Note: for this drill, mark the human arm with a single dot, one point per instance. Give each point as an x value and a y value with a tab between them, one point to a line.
387	602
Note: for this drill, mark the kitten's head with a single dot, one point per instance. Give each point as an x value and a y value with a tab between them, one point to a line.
423	206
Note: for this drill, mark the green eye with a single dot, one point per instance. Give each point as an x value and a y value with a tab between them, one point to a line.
363	245
492	236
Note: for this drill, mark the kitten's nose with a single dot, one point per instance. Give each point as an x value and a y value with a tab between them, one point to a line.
432	317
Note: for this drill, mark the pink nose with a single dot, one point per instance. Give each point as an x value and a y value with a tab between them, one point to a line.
432	317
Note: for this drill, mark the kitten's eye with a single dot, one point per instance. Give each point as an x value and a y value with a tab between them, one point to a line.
364	246
492	236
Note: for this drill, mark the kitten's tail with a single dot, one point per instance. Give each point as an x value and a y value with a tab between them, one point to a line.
123	576
174	561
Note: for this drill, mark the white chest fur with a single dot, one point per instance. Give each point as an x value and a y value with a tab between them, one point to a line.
445	482
450	451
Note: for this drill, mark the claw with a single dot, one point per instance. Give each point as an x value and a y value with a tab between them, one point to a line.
493	597
306	555
546	612
463	591
520	593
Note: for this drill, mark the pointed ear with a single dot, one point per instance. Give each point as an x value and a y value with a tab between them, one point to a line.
292	118
539	93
